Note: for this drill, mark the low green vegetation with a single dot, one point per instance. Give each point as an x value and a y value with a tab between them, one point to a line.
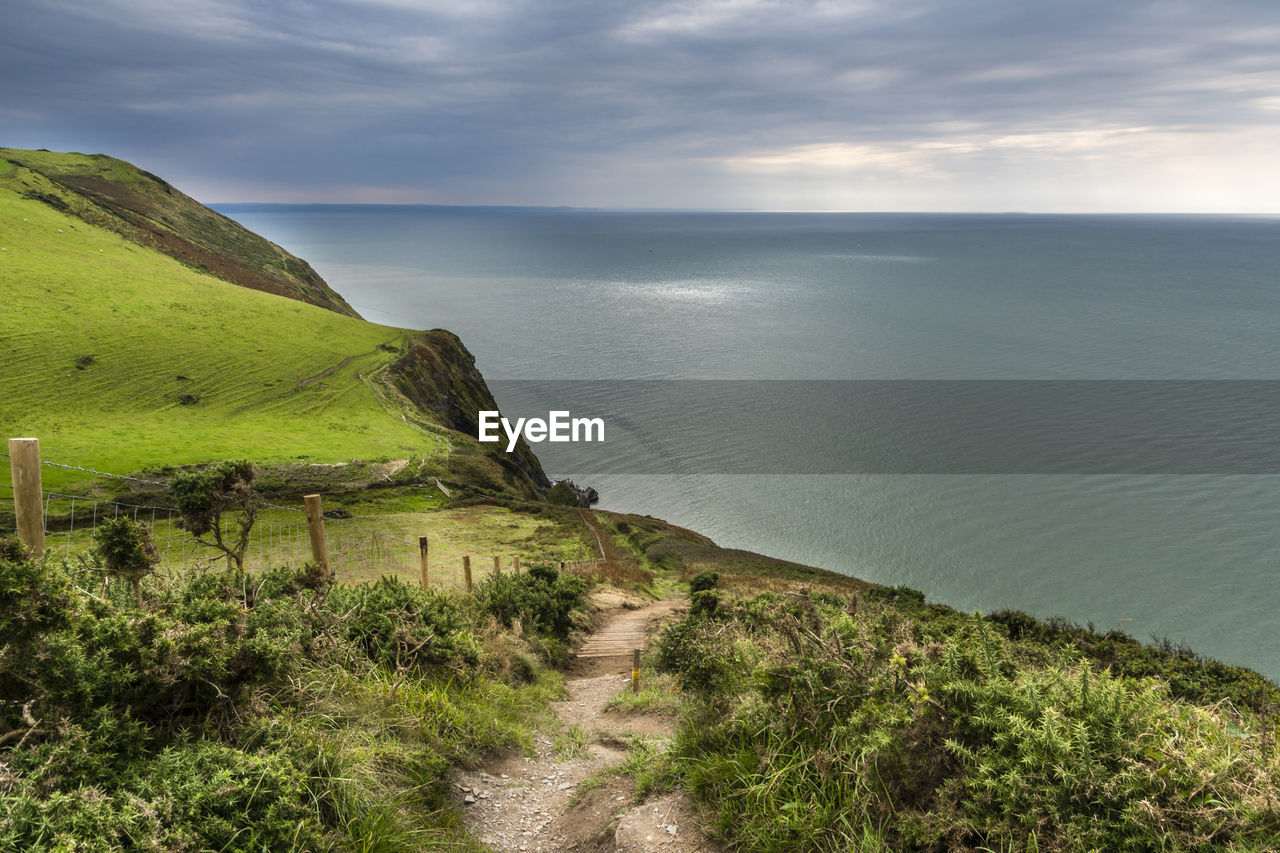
222	711
815	721
542	598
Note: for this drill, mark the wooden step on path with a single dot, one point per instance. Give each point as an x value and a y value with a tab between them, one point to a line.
626	631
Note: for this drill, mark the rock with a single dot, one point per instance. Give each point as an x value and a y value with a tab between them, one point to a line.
469	800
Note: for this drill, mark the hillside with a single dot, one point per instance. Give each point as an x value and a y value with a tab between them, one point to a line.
146	210
121	357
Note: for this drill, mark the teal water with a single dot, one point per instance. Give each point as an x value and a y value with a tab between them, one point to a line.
552	294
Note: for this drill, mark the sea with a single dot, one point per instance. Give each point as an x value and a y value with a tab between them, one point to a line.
660	315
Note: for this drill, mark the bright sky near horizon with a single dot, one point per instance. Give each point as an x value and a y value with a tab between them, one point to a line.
948	105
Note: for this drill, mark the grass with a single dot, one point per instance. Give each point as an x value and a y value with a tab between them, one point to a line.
645	763
157	331
570	744
146	209
361	548
659	694
125	352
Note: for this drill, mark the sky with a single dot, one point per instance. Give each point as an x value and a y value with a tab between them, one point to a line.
928	105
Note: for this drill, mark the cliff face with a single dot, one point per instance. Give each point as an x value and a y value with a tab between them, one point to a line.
438	374
147	210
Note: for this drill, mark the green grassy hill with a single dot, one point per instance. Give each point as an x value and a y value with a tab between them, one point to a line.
147	210
119	357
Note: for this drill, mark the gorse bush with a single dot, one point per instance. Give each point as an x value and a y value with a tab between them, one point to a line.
126	550
703	598
703	581
405	627
226	711
1188	675
706	662
863	729
542	599
185	795
704	602
68	653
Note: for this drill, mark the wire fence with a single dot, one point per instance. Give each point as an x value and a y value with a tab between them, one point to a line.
356	552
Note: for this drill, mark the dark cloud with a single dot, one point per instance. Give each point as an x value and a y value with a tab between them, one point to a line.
709	102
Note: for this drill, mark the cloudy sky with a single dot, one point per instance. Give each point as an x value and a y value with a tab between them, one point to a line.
1086	105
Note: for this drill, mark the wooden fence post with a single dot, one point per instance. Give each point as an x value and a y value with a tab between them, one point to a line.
28	493
635	671
422	559
497	565
515	564
466	570
562	565
315	525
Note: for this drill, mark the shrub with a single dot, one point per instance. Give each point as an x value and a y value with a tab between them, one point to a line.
692	650
898	594
704	602
852	735
704	581
563	494
89	791
68	654
543	599
1188	675
127	552
203	497
402	626
220	716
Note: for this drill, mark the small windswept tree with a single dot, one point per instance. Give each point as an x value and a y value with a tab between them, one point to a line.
127	551
204	496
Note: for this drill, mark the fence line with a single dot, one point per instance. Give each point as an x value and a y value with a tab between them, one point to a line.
356	552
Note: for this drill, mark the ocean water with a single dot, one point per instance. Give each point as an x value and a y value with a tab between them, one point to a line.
621	296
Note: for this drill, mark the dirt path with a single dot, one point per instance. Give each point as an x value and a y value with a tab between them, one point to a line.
540	804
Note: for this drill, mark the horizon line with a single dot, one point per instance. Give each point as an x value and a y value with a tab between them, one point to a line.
746	210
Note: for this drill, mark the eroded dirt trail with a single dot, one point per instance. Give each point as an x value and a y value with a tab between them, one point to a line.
535	804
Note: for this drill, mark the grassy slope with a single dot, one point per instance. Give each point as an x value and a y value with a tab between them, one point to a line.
148	211
72	289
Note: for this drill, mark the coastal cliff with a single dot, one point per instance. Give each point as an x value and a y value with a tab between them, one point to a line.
133	309
438	374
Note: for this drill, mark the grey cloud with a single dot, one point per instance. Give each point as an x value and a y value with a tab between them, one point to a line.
420	94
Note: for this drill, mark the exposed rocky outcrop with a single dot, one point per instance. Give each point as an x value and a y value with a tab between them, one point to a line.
438	375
